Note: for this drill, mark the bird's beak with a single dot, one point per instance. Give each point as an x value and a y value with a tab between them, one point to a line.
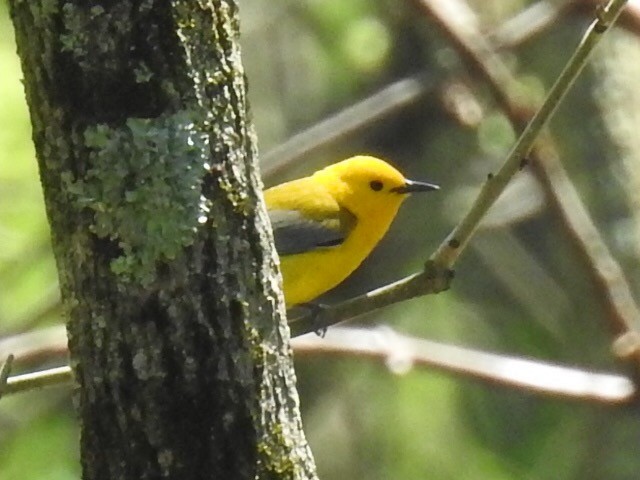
412	186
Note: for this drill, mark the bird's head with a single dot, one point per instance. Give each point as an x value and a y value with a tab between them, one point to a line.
368	186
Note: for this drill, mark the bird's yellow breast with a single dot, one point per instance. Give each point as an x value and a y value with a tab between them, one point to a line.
309	275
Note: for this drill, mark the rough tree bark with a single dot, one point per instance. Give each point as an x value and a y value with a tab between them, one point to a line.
147	160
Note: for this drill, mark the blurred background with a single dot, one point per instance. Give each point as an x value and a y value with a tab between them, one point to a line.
522	288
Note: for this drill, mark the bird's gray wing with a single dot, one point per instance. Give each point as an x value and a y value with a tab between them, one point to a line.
294	233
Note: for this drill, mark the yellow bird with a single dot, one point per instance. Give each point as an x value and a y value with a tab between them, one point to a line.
326	224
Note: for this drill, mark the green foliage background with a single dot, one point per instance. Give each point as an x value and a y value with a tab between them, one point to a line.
520	289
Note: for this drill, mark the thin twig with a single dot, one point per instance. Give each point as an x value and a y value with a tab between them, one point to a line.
432	280
35	380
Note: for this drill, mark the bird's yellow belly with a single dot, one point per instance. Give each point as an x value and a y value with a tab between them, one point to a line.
308	275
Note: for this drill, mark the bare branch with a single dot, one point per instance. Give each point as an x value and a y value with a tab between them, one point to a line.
36	380
400	353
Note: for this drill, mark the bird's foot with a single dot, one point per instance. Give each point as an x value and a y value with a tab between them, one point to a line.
316	312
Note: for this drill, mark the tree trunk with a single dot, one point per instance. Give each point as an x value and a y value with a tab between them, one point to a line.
148	163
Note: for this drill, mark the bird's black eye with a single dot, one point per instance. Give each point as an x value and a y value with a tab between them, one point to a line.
376	185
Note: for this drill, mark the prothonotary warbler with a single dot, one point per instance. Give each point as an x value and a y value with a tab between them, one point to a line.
326	224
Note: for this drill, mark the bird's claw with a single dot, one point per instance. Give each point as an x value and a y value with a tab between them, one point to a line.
317	311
